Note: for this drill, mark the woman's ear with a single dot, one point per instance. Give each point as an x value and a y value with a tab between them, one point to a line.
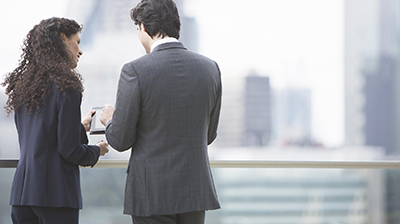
63	37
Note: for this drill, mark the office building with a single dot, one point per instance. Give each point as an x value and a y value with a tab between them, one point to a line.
292	117
372	99
246	112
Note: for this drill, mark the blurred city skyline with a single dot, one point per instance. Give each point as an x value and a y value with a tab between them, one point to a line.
292	47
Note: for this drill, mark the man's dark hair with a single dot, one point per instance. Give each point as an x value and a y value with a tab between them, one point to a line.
159	17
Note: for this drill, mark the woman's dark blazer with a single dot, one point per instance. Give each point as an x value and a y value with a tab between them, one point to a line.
52	145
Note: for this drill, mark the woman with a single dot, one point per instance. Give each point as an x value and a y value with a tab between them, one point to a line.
45	93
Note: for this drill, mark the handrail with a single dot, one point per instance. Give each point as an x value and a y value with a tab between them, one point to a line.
111	163
8	163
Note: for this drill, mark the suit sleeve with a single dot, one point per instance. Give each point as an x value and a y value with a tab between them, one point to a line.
214	116
121	129
84	138
69	132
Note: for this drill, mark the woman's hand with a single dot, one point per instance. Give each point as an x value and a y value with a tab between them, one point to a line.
87	120
103	147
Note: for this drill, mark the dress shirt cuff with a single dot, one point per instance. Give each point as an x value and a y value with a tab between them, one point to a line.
109	122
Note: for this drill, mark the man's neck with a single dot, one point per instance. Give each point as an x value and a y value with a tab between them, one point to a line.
157	41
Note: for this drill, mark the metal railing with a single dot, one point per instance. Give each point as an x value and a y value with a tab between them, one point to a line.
110	163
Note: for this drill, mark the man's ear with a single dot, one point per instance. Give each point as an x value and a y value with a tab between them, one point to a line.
144	30
142	27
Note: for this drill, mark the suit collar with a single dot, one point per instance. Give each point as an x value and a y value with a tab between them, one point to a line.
162	41
170	45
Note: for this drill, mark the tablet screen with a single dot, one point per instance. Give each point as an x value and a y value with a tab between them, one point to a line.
96	127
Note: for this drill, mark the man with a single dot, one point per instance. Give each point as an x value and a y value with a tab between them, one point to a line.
167	110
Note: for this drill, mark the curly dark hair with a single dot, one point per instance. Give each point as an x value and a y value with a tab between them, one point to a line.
159	17
44	60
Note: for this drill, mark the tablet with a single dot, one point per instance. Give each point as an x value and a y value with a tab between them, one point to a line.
96	128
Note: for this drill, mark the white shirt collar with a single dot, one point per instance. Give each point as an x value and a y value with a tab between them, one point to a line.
162	41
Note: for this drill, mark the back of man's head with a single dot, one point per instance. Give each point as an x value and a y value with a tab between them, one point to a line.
159	17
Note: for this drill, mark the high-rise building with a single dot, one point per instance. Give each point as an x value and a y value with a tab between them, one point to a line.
257	111
382	105
231	121
292	117
380	128
371	75
361	50
372	83
246	112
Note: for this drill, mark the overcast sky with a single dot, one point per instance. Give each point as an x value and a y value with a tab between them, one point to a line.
17	17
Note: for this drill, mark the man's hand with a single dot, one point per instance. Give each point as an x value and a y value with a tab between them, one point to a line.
87	120
103	147
106	114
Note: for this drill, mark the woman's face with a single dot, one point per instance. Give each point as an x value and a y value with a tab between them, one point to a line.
72	44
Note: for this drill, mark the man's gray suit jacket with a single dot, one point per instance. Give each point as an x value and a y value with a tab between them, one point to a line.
167	109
